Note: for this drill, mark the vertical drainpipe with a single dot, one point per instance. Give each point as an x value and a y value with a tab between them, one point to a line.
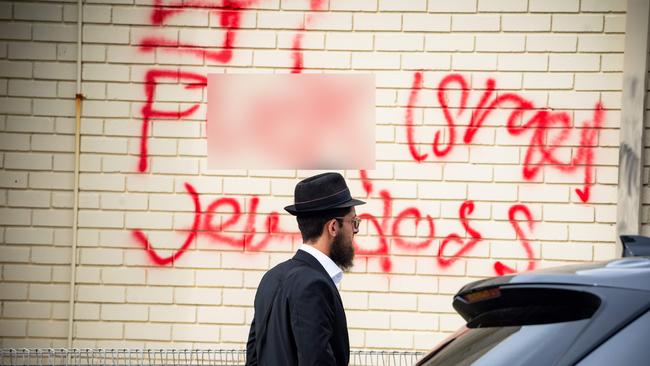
630	156
75	193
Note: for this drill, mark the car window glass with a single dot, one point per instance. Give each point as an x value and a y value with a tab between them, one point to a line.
512	345
630	346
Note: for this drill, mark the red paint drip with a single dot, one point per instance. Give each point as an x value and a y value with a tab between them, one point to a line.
445	261
297	54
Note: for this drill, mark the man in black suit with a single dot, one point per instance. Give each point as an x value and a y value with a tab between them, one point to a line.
299	317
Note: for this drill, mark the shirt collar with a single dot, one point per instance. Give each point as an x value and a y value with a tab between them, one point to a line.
332	269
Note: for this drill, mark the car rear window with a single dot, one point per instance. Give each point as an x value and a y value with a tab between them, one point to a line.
510	345
516	326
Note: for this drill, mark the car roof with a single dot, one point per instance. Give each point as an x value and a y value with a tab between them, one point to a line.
627	273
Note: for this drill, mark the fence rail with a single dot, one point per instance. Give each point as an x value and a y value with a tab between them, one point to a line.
153	357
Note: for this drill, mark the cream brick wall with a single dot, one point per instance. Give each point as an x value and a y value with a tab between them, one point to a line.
564	55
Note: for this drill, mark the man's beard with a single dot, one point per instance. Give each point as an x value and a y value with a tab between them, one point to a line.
342	251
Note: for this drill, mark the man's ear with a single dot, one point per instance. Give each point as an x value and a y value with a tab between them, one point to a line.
331	227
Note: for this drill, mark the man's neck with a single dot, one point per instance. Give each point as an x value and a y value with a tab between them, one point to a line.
321	244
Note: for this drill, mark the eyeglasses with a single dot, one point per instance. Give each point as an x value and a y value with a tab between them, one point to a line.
356	221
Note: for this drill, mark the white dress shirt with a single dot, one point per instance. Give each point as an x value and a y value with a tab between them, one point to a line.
332	269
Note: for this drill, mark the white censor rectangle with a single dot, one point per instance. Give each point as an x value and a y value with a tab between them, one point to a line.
291	121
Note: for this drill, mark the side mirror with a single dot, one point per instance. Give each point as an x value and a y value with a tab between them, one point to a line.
635	245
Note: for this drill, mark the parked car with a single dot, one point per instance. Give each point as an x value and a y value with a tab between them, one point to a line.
588	314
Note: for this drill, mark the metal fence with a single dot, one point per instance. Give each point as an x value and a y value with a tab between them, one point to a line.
152	357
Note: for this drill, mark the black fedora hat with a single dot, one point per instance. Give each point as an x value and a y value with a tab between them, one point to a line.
321	192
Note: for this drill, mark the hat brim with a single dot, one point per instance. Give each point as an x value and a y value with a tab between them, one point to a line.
353	202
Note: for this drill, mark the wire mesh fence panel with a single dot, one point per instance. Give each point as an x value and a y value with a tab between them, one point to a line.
154	357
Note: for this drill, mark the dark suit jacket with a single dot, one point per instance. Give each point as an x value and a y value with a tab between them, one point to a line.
299	317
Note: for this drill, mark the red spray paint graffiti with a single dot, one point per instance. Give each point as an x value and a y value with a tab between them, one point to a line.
541	147
540	151
203	223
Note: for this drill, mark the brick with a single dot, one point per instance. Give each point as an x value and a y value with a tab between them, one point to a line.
451	322
148	220
139	183
55	71
124	312
411	284
55	32
426	22
13	328
149	294
14	141
51	255
553	6
368	319
96	14
580	62
33	236
592	232
221	315
279	20
239	260
123	276
105	72
241	297
100	293
47	328
164	276
98	330
564	251
30	161
460	6
399	42
598	81
464	173
101	182
353	5
578	23
461	61
551	43
47	12
147	331
501	6
197	296
405	5
435	303
525	23
410	321
377	21
547	81
14	254
545	193
219	278
106	34
195	333
49	292
30	310
12	30
526	62
614	24
349	41
122	201
389	339
15	105
331	21
603	6
101	256
442	190
53	107
449	42
574	100
500	43
15	216
32	51
167	313
30	88
15	69
13	291
101	219
483	23
392	301
601	43
106	109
